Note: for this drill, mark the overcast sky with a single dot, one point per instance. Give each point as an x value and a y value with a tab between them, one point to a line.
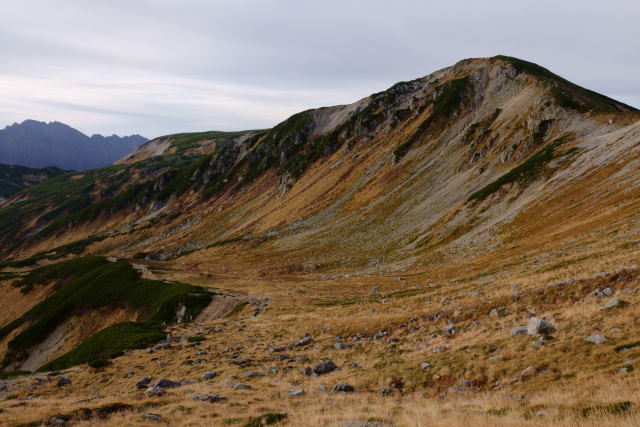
156	67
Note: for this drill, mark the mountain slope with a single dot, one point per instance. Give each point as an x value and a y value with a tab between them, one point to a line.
39	144
407	233
14	179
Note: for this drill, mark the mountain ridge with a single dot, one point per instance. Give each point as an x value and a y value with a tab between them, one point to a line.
40	144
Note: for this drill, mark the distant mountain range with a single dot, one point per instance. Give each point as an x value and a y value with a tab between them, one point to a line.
39	144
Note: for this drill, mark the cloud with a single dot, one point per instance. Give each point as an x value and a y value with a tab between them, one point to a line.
156	67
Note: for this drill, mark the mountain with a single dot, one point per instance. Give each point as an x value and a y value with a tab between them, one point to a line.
468	239
39	144
14	179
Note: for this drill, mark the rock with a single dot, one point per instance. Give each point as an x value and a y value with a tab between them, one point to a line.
155	391
56	421
63	381
325	367
296	392
518	331
596	339
240	386
152	417
343	388
425	365
497	357
379	335
208	375
614	303
252	374
163	346
241	362
206	397
187	382
496	312
307	339
323	388
143	383
342	346
302	358
283	357
538	326
374	291
449	329
465	384
165	383
439	349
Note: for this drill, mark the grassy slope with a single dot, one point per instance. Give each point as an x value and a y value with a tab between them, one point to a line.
14	179
92	283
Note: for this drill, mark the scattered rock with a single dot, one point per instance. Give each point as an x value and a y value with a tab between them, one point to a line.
538	326
57	421
342	346
163	346
307	339
596	339
252	374
297	392
497	357
208	375
449	329
241	362
614	303
496	312
63	381
152	417
528	372
439	349
374	291
155	391
343	388
240	386
302	358
325	367
143	383
425	365
206	397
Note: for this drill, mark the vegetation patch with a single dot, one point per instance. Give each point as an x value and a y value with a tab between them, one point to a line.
91	283
524	173
628	346
612	408
266	419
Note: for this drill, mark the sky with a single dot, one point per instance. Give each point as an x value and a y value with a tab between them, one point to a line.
155	67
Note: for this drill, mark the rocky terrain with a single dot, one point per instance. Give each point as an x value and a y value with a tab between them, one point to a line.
14	179
460	249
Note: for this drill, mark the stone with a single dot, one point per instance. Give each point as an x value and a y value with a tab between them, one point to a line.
165	383
614	303
302	358
240	386
538	326
449	329
379	335
252	374
208	375
439	349
342	346
343	388
496	312
307	339
518	331
282	357
163	346
57	421
155	391
152	417
596	339
374	291
497	357
206	397
143	383
425	365
465	384
325	367
63	381
296	392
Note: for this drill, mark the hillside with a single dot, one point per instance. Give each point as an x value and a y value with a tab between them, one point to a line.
14	179
463	246
39	145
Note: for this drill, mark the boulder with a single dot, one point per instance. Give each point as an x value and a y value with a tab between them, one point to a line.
538	326
343	388
325	367
63	381
206	397
296	392
596	339
449	329
165	383
208	375
614	303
